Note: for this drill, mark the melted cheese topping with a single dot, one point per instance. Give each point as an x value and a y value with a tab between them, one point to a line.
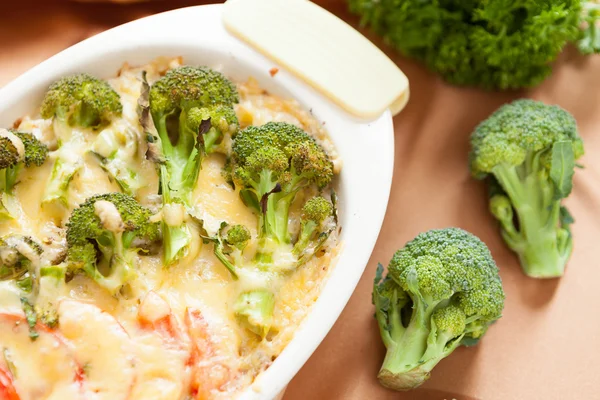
173	335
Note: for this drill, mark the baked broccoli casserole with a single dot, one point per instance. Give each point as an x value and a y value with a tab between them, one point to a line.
163	234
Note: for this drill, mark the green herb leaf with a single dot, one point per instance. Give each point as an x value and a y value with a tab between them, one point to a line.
562	168
250	200
31	317
566	219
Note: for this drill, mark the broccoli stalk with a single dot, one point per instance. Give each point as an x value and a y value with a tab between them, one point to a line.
192	111
104	236
18	150
78	101
442	291
528	150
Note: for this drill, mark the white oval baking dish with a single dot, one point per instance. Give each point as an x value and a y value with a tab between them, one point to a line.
366	148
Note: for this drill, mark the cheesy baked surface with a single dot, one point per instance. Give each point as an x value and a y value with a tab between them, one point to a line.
166	247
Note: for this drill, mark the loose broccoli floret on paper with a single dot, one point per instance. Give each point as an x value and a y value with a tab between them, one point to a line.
442	290
528	150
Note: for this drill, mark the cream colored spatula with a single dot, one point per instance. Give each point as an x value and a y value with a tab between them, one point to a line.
322	50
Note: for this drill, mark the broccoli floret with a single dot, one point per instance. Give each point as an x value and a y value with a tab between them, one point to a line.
271	163
527	150
313	229
192	111
229	243
492	44
237	236
77	101
213	125
81	101
104	236
442	291
19	256
18	150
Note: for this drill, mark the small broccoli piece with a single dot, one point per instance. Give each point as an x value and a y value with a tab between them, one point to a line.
78	101
51	280
19	256
192	111
254	310
18	150
116	148
214	125
442	291
237	236
229	243
104	236
527	150
492	44
315	213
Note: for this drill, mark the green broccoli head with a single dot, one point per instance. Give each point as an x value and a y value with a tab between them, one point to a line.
19	256
81	100
36	152
186	87
18	150
271	163
317	209
9	154
313	230
237	236
518	129
442	290
528	150
213	125
492	44
104	234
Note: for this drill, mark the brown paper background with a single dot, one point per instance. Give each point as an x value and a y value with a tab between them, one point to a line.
546	346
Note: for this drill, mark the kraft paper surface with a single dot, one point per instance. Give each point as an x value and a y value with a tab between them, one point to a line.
547	344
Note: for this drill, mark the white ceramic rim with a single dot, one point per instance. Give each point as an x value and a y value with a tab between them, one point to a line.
367	148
